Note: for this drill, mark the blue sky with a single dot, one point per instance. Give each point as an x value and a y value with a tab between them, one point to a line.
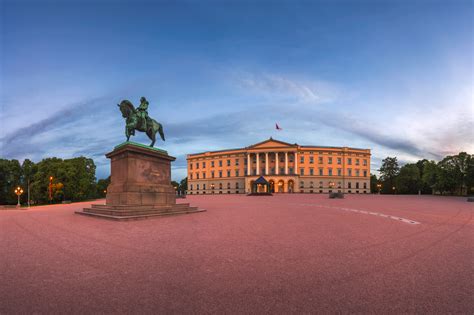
392	76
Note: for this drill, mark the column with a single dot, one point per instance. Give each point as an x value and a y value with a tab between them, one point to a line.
277	169
258	164
296	163
286	163
248	164
266	163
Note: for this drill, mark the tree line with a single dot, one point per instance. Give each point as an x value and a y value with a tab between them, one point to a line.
453	175
72	180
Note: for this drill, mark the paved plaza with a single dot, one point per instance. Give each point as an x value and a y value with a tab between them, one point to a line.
281	254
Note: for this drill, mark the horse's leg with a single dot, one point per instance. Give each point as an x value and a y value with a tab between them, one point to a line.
151	134
127	133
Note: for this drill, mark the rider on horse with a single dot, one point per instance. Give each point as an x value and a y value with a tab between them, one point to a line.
142	112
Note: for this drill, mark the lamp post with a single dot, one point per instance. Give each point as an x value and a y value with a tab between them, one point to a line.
18	192
331	185
393	189
379	187
51	189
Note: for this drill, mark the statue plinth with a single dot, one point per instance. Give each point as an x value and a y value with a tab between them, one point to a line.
140	185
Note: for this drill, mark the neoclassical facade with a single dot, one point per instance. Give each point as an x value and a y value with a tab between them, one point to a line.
288	168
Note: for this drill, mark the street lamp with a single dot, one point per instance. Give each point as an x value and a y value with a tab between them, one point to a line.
379	186
393	188
331	185
18	192
50	189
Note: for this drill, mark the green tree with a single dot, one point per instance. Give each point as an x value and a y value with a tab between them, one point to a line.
431	175
408	180
183	185
10	178
373	184
102	185
388	173
424	188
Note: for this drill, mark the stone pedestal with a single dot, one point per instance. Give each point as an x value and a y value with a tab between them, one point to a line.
140	185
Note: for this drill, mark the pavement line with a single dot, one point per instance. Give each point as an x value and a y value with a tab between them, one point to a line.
404	220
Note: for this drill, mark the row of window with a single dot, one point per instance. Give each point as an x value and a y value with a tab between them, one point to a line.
329	172
333	185
212	186
301	191
302	160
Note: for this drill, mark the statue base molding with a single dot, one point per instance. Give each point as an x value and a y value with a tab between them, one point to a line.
140	185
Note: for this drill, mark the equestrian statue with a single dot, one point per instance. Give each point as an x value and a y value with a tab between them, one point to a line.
138	119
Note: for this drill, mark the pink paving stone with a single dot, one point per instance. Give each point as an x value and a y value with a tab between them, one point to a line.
281	254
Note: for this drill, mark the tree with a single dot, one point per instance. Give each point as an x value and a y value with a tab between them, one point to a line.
183	185
102	185
373	184
10	178
388	172
408	180
424	188
430	177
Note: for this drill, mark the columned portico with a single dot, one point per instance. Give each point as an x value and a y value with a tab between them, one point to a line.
277	168
286	163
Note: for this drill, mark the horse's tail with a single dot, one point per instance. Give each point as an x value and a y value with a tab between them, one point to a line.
159	128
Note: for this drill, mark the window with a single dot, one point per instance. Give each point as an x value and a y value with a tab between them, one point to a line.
212	163
197	165
191	186
212	174
301	184
311	160
339	172
339	160
220	185
236	185
282	170
290	170
220	163
330	171
365	162
220	173
228	173
228	185
190	166
228	162
365	185
204	175
191	176
311	171
365	173
320	160
203	164
357	185
321	185
357	161
357	173
349	185
273	171
349	161
245	161
339	185
302	159
349	172
204	186
311	185
236	162
197	175
301	171
329	160
236	172
320	172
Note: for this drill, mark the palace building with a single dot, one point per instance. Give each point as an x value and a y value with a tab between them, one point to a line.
288	168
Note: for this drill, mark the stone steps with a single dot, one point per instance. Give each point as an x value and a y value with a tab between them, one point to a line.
139	217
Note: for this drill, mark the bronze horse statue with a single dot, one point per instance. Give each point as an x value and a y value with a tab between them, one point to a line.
133	122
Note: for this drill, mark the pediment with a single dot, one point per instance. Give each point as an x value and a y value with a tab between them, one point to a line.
272	143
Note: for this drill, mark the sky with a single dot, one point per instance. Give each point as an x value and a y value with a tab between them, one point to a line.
396	77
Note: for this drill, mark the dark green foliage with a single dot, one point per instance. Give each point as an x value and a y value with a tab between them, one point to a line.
408	180
388	173
373	184
102	185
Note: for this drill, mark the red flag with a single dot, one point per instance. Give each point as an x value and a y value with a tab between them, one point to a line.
277	127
